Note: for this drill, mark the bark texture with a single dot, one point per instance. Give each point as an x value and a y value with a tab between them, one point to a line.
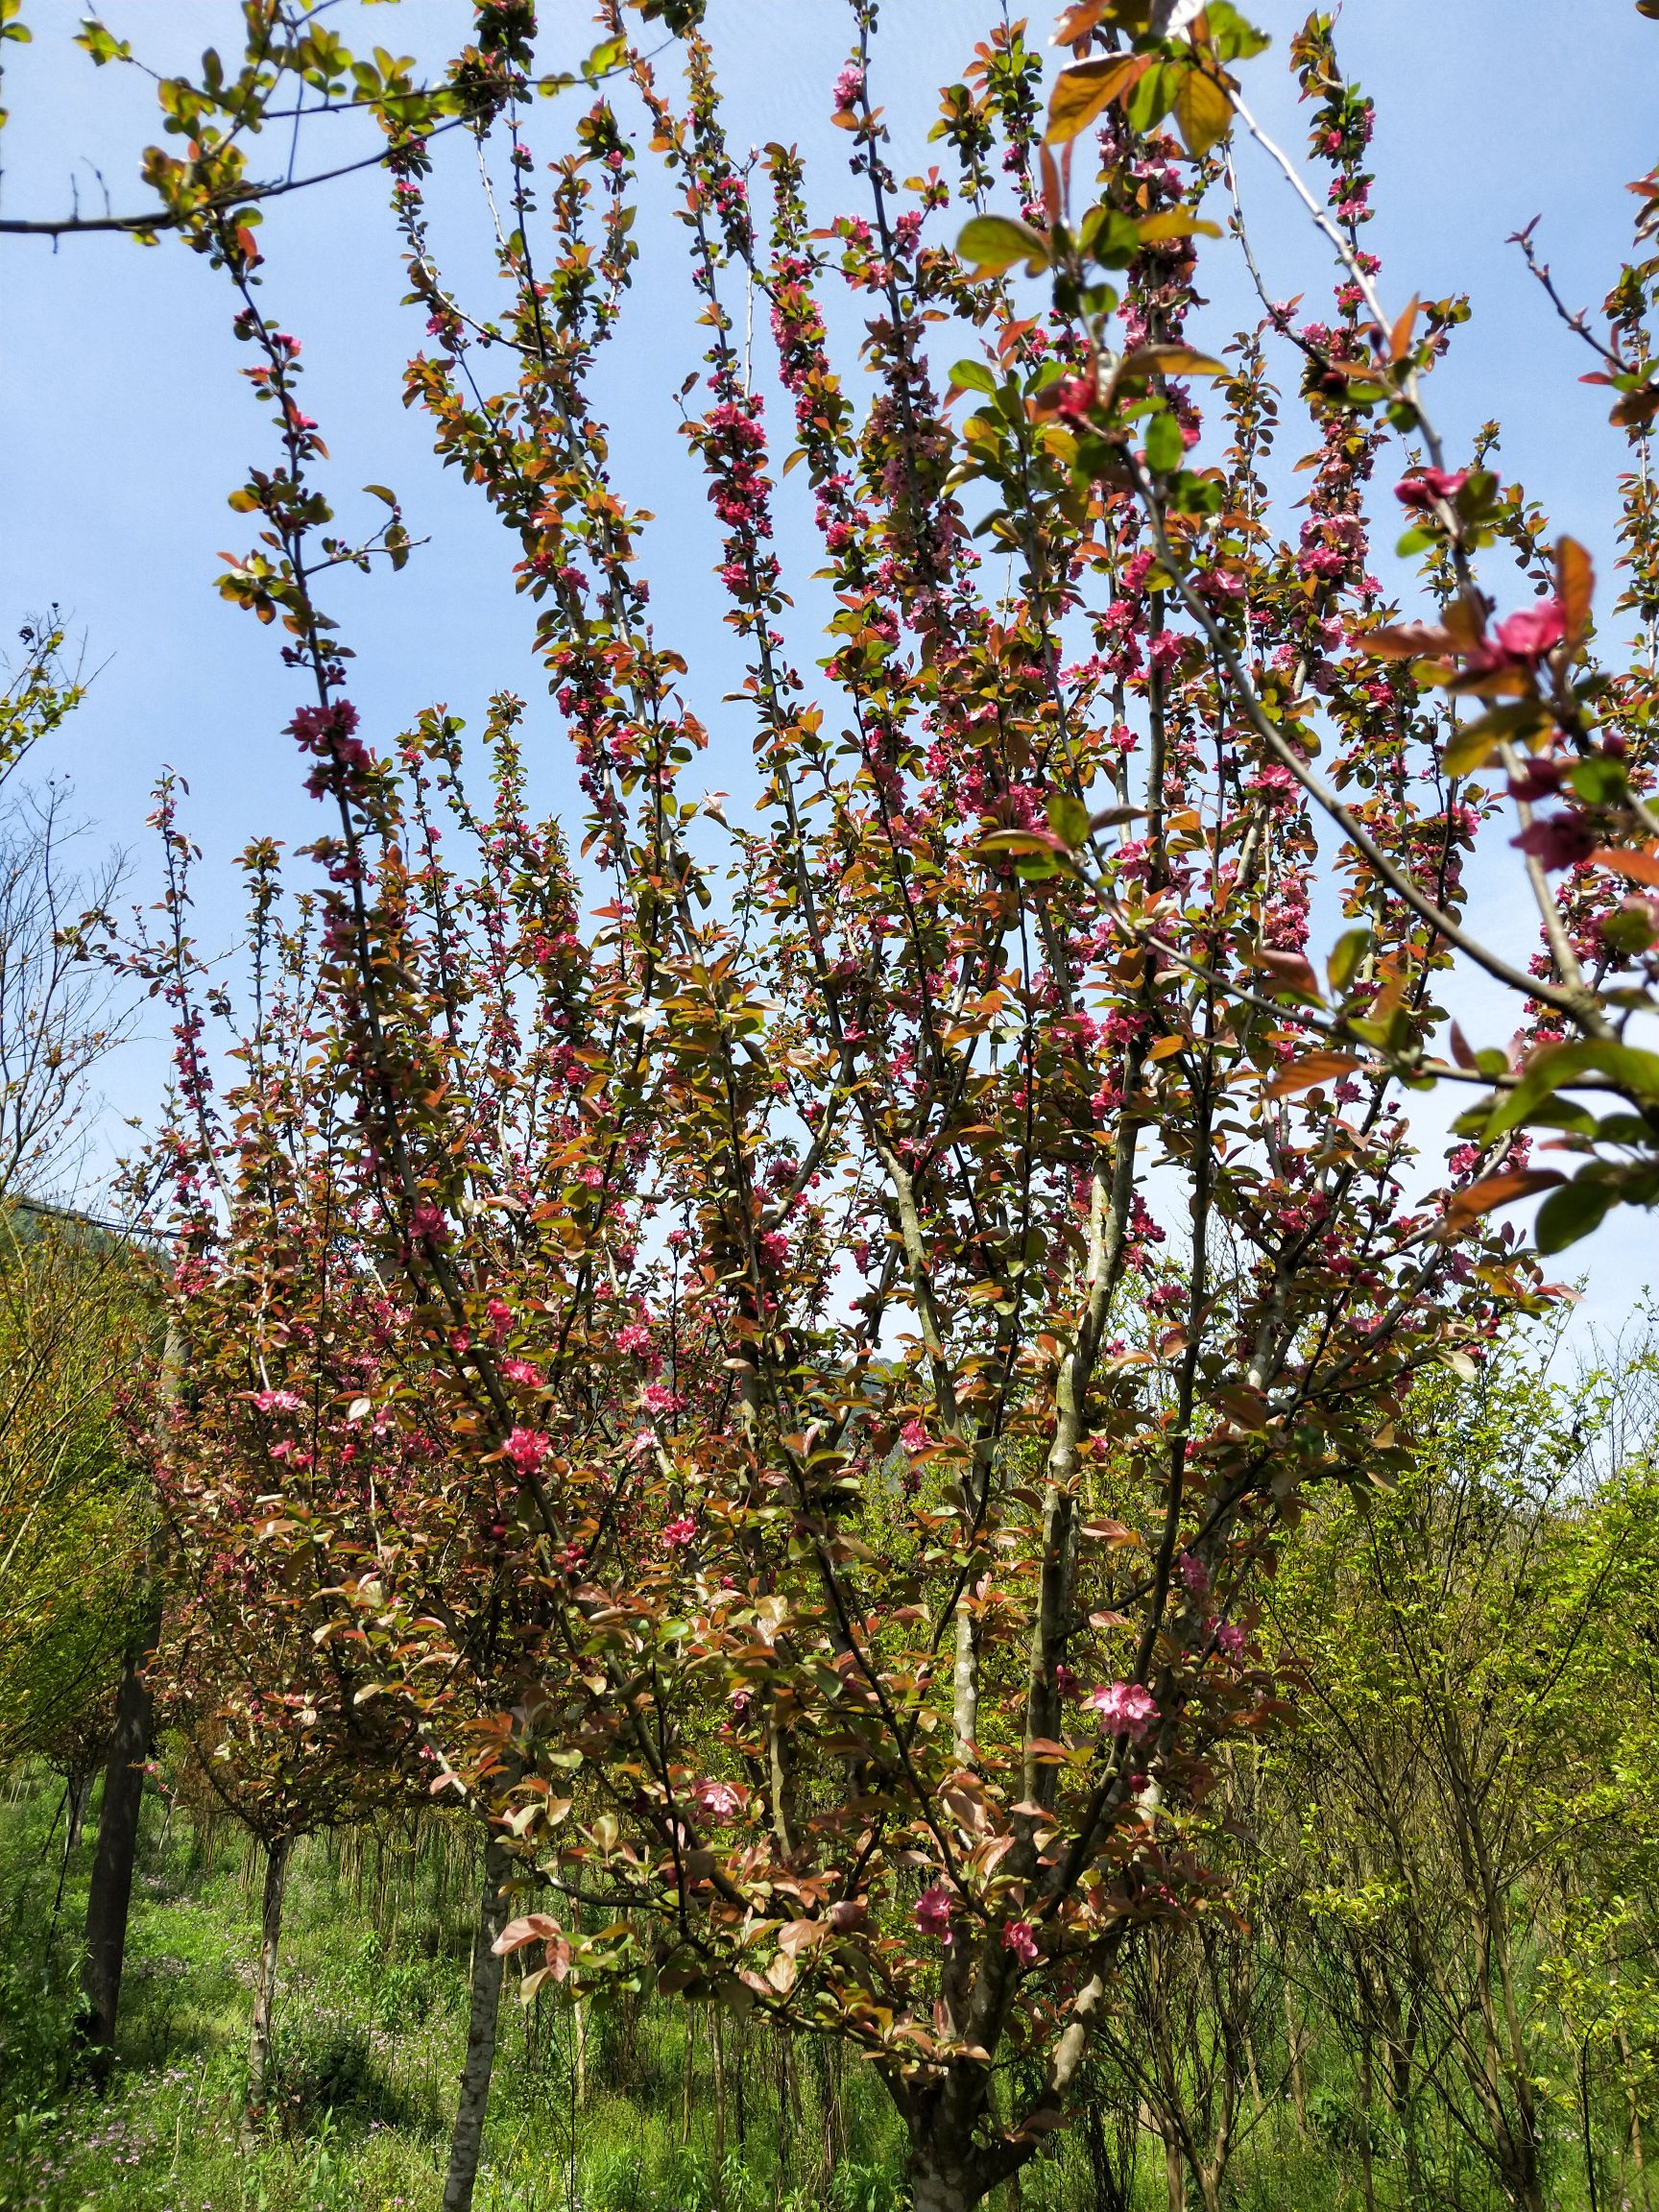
467	2139
112	1887
265	1989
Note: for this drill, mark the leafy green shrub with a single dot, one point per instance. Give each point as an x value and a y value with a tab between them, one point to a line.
858	2188
331	2071
37	2008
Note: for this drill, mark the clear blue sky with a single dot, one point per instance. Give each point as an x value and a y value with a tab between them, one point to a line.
123	424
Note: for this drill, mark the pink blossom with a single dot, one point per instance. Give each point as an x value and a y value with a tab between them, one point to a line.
1229	1639
428	1222
716	1800
1520	640
1076	397
1424	485
279	1401
526	1448
1558	840
636	1338
1020	1937
1193	1573
1127	1708
913	1435
524	1371
1539	779
1530	634
679	1532
849	88
934	1912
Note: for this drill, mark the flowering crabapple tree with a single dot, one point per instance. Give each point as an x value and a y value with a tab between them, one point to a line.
299	1455
832	1312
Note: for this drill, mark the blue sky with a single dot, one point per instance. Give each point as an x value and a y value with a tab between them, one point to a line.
123	424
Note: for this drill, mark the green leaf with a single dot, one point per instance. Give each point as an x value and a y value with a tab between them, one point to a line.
1165	447
1232	38
606	56
1346	955
972	376
1473	743
1600	781
1203	111
993	243
1149	102
1069	819
1573	1211
1558	1065
103	46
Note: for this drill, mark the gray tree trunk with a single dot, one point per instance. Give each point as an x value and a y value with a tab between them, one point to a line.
110	1894
265	1989
467	2139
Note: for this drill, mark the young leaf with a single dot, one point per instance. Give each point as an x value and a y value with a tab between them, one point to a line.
1573	1211
1313	1068
1499	1190
993	243
1085	91
1641	867
1203	111
1474	743
1574	585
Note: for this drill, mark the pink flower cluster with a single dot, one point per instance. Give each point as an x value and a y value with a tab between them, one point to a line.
279	1401
849	88
932	1911
1021	1938
1127	1709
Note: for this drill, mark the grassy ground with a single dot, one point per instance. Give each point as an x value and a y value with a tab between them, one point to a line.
370	2036
614	2111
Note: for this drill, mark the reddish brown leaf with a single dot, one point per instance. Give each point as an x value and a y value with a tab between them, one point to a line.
1641	866
533	1927
1575	583
1313	1068
1499	1190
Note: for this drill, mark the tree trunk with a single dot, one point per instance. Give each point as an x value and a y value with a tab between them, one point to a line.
264	1991
1367	2178
112	1889
467	2139
1174	2174
717	2051
939	2183
80	1783
1633	2112
1293	2051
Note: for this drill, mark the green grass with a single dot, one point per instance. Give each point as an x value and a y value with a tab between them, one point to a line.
369	2034
617	2116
